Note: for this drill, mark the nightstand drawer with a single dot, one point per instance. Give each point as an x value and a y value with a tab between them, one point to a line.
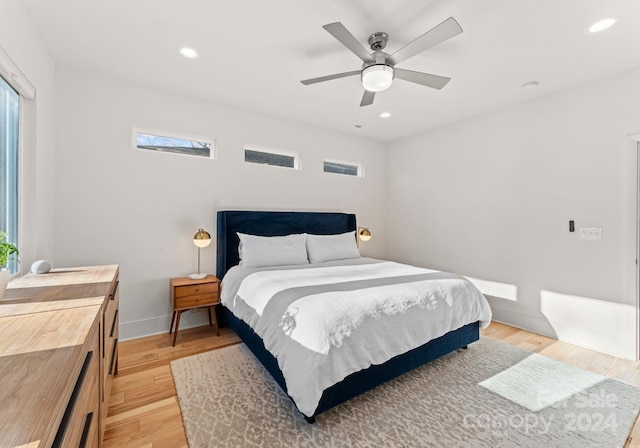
196	301
192	290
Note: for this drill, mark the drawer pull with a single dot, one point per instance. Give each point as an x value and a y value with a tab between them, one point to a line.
115	290
72	402
85	431
113	325
113	357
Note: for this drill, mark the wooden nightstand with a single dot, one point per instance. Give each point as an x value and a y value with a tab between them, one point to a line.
187	294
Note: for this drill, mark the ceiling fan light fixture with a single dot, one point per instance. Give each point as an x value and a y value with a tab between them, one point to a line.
602	25
377	78
189	53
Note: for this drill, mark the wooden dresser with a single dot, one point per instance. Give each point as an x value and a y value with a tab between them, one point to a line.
58	355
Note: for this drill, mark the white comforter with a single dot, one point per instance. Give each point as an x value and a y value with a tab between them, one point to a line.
324	322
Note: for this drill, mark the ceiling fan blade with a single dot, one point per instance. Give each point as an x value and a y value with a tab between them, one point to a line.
306	82
425	79
436	35
347	39
367	98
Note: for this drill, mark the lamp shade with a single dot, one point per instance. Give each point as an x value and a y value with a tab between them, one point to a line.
377	78
364	234
201	238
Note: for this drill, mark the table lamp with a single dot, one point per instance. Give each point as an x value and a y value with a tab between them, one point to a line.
200	239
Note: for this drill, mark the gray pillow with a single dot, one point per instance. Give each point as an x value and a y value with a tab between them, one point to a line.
260	251
332	247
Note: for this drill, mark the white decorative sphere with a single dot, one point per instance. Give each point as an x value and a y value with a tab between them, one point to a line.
41	267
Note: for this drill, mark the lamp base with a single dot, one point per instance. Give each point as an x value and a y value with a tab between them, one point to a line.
197	276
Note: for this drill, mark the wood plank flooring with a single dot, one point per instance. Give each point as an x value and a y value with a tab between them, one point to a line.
144	410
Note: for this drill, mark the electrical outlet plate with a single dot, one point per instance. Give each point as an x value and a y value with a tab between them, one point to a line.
591	233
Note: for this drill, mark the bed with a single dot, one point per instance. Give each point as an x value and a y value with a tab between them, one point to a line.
263	223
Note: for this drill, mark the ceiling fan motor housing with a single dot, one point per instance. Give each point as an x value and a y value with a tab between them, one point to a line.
378	41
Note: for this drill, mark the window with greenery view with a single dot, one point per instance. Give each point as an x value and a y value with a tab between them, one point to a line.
174	145
9	169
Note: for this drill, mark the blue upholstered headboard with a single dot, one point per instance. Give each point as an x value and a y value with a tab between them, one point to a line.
272	224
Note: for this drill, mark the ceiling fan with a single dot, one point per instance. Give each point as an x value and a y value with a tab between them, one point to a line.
379	68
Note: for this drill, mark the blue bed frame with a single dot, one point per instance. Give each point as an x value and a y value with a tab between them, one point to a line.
283	223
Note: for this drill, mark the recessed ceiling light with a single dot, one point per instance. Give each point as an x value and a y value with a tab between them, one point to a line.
188	52
385	115
603	24
530	85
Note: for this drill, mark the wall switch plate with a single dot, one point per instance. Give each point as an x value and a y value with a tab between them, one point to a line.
591	233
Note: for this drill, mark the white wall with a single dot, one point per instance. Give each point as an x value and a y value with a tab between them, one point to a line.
141	209
22	42
491	198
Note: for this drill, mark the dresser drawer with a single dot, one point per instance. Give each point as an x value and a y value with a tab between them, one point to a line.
192	290
111	317
80	423
110	354
196	301
113	299
110	329
109	370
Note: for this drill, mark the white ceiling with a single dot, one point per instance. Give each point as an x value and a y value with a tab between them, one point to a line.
253	53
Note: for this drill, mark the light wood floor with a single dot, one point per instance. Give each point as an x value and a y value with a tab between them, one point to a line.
144	410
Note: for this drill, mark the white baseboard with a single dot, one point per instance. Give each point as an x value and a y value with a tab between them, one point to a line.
523	321
157	325
624	349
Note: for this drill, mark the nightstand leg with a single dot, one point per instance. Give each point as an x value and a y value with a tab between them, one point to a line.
210	323
173	318
212	310
177	326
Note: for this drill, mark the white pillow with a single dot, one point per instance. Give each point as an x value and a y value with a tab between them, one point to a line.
332	247
258	251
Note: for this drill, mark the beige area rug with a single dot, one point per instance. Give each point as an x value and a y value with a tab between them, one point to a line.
491	395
